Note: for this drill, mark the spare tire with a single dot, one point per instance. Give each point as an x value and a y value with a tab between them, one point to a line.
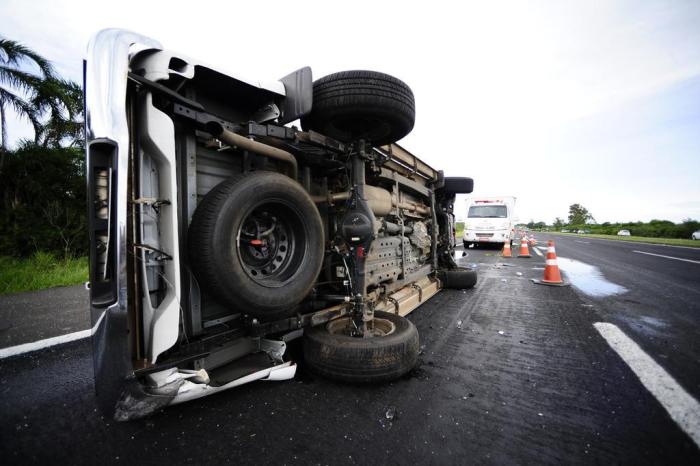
330	352
256	243
369	105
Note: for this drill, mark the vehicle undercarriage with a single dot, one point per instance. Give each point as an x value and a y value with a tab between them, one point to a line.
219	232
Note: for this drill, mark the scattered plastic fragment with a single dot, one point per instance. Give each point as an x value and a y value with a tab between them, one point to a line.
504	280
540	414
501	332
459	324
390	413
519	274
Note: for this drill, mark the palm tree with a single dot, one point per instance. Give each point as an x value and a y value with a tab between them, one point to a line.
15	83
62	100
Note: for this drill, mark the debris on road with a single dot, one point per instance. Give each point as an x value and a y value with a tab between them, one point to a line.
459	324
500	265
519	274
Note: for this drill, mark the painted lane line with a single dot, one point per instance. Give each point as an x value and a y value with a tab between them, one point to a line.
41	344
668	257
633	242
537	251
682	407
53	341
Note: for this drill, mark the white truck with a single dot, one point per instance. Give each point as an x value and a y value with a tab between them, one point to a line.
489	220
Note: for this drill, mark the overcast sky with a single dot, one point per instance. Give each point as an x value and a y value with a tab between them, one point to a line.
552	102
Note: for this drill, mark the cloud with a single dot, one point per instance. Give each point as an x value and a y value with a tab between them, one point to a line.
503	89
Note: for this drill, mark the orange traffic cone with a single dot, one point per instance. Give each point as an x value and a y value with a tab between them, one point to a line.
524	251
551	269
506	249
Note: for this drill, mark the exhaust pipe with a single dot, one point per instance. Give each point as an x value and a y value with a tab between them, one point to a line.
242	142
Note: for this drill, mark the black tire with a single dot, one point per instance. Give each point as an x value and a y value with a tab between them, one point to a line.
458	185
466	244
363	360
264	277
353	105
460	279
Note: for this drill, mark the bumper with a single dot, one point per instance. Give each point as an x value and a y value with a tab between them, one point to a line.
497	236
105	75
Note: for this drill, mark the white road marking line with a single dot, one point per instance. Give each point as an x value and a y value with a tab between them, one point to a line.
544	248
632	242
582	242
41	344
668	257
682	407
537	251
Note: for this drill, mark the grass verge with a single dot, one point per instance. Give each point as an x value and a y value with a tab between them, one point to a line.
43	270
639	239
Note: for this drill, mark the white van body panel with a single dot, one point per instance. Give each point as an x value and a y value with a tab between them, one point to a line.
489	220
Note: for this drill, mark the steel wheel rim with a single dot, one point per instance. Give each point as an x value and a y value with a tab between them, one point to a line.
344	326
272	243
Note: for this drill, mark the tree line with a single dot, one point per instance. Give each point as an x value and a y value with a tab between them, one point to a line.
580	218
42	180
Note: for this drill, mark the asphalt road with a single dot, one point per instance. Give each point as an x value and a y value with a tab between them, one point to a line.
37	315
511	372
660	310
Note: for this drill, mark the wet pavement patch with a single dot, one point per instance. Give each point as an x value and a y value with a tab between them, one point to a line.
588	279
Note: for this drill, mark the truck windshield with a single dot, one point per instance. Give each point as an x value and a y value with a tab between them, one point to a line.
488	211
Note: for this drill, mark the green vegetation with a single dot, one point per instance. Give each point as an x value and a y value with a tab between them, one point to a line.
579	214
43	237
459	230
652	229
42	270
42	202
51	104
642	239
